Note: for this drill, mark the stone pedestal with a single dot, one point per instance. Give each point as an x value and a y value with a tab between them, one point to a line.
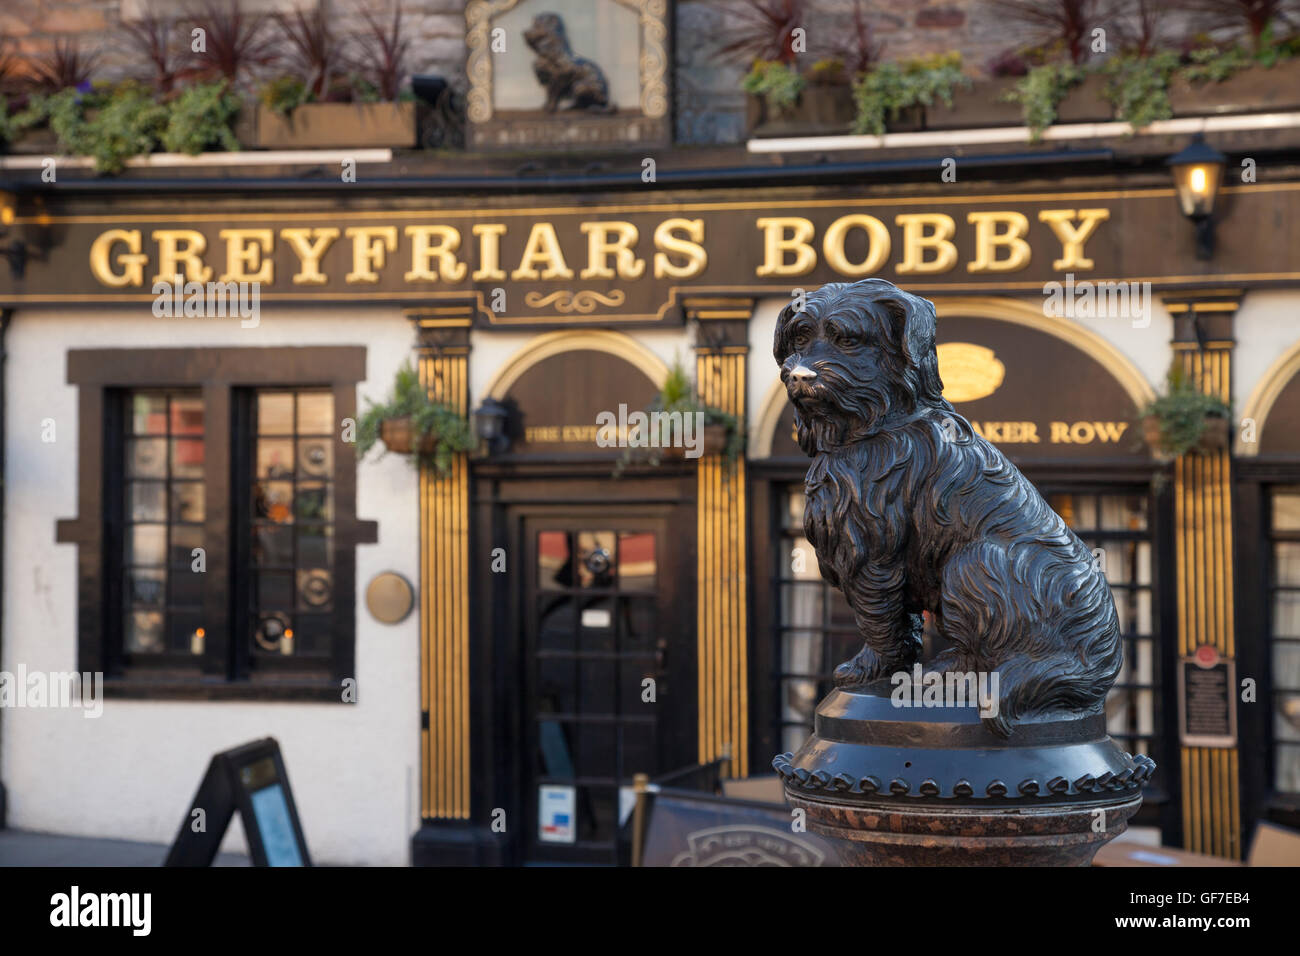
932	786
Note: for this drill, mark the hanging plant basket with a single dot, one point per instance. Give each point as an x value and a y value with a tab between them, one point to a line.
713	441
1213	438
398	435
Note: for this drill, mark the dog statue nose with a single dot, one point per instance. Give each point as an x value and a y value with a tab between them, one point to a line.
803	373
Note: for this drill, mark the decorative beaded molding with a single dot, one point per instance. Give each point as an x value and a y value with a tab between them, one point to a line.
1129	779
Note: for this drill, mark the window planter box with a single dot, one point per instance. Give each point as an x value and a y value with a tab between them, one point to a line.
976	108
1086	103
317	125
1253	90
823	110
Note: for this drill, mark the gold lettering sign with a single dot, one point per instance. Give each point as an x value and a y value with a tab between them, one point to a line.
625	255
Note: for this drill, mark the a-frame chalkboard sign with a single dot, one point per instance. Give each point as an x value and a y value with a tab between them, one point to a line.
252	780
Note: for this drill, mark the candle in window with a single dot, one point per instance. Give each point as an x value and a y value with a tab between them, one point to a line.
286	641
196	641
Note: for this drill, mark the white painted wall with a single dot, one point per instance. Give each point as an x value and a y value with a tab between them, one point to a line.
131	773
1266	326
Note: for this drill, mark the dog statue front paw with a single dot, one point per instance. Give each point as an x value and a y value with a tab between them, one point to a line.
864	667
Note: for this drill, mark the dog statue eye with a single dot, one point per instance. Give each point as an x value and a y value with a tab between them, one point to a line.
801	338
842	338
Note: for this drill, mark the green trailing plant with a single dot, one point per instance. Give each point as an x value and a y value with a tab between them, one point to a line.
1138	87
1181	413
284	94
1215	64
883	93
1040	92
202	118
828	72
677	394
449	431
779	85
14	124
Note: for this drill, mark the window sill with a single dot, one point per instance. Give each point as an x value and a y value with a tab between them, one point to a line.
314	690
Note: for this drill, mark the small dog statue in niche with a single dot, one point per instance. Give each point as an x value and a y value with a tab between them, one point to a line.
562	74
910	510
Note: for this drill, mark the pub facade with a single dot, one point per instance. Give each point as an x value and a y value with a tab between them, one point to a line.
185	512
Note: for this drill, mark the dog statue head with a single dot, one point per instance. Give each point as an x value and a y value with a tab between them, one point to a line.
546	36
856	360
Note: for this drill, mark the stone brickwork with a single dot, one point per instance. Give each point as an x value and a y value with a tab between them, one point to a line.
32	27
710	106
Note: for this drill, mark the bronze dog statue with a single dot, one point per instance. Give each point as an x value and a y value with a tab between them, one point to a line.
562	74
910	510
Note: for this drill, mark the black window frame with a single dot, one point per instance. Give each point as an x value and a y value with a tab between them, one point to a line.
102	376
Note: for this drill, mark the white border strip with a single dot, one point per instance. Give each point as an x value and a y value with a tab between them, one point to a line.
1020	134
283	157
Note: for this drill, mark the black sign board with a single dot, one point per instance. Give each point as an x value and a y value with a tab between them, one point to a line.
252	780
1207	715
699	829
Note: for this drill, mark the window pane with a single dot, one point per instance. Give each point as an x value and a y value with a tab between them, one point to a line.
275	458
164	510
146	589
636	561
273	501
148	500
292	494
315	590
275	413
187	458
147	544
1286	509
144	630
316	457
315	413
146	458
149	414
553	567
187	502
595	559
1286	563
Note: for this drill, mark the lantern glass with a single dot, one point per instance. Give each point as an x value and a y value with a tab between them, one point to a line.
1197	171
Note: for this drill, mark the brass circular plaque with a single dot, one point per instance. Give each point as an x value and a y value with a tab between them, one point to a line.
389	597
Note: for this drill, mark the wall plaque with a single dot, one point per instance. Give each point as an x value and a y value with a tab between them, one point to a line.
1207	710
389	597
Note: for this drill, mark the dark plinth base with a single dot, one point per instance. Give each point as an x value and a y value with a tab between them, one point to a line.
444	843
893	836
932	786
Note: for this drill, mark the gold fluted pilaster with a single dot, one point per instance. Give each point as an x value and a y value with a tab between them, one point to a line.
721	573
443	366
1211	792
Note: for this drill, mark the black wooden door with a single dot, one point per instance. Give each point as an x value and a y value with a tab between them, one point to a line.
601	630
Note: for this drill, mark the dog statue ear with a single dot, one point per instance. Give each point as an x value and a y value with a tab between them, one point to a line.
779	350
914	327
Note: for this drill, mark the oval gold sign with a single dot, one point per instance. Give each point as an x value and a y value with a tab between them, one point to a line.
389	597
969	372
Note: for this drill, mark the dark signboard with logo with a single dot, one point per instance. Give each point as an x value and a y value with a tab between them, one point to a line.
696	829
1032	394
251	780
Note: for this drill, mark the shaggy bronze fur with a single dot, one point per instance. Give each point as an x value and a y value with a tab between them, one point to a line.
910	510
